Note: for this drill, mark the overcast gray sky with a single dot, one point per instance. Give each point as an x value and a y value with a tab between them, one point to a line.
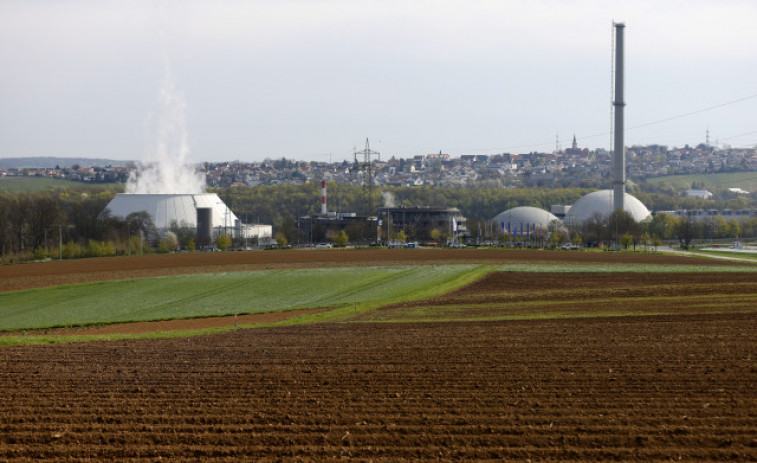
305	79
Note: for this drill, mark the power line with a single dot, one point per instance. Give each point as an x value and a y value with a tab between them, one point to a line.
592	136
660	121
738	136
604	133
691	113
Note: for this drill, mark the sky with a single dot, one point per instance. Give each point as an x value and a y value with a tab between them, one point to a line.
311	80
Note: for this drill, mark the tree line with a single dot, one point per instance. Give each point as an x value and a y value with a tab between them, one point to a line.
34	224
68	224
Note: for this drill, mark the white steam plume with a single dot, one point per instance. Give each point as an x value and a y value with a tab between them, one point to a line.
168	171
388	199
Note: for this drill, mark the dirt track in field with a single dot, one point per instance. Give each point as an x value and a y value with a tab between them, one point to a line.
33	275
630	389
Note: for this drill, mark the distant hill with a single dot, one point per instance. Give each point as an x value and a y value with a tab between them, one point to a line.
744	180
50	162
32	184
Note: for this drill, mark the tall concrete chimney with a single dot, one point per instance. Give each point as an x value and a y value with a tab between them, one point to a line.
619	177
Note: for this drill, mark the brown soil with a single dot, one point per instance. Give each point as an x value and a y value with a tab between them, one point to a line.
24	276
622	389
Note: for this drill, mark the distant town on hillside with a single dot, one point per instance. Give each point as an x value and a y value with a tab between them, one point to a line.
572	167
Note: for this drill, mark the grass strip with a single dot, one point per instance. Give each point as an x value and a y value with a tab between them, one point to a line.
625	268
545	309
738	254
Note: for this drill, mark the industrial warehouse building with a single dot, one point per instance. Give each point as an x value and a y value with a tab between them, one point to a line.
416	222
321	228
419	222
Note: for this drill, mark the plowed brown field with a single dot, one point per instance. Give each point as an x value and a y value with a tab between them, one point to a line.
628	389
645	388
24	276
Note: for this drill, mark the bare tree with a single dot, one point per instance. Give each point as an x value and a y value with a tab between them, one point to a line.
43	214
684	230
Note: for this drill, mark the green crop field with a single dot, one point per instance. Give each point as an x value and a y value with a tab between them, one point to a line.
33	184
372	294
744	180
350	290
159	298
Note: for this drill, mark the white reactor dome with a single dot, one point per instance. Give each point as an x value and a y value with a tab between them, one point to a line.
525	216
602	201
167	208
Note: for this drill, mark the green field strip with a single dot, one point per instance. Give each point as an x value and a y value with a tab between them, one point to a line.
625	268
737	254
422	290
515	295
745	180
435	318
543	309
34	339
186	296
699	301
35	184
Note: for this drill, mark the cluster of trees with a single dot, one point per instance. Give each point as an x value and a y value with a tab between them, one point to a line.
687	229
40	221
69	224
664	227
619	228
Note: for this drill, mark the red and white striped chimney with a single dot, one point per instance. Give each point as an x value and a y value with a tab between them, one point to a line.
324	209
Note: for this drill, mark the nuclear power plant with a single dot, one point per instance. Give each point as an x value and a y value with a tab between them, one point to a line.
211	217
204	211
